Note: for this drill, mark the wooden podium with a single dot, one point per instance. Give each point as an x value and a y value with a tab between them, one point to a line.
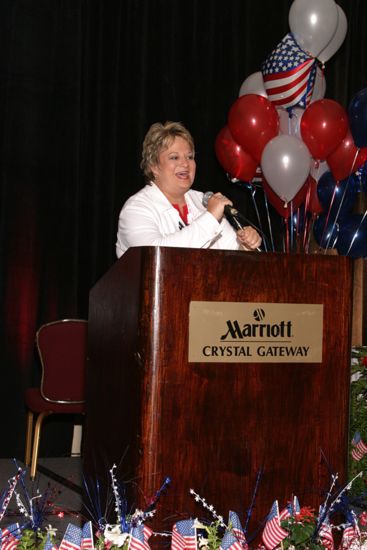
212	426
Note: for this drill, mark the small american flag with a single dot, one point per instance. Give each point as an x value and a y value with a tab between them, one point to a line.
87	536
287	512
183	535
326	535
273	533
359	447
237	529
289	74
356	438
296	507
139	537
72	538
350	533
9	537
49	545
230	542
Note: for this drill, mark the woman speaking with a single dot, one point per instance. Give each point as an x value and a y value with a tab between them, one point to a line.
167	212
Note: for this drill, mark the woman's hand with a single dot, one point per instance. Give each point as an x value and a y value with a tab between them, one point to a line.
249	238
216	205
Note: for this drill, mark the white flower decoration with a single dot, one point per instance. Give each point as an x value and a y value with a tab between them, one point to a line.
51	530
112	533
356	376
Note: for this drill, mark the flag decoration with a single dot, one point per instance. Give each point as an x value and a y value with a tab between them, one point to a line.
10	536
87	542
49	545
273	533
326	534
139	537
287	512
289	75
297	525
296	507
184	535
6	497
230	542
237	529
234	537
72	538
359	447
351	533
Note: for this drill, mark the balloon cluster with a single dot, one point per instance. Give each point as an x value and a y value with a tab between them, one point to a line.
311	151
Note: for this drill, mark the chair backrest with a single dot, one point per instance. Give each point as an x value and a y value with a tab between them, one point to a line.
62	347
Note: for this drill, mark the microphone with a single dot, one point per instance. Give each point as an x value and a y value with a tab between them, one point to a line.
234	217
206	198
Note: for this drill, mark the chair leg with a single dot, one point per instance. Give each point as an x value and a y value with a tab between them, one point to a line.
28	440
36	442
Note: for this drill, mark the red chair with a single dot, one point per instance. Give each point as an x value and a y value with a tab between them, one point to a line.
62	348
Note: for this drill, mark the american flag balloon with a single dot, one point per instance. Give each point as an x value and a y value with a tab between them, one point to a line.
289	75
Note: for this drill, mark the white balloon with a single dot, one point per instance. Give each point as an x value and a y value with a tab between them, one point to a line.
338	38
313	23
253	84
286	164
319	87
289	124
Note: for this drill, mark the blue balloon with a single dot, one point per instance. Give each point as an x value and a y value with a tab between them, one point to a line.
326	235
357	113
361	178
345	194
352	240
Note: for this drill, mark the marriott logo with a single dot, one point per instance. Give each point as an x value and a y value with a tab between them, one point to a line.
235	331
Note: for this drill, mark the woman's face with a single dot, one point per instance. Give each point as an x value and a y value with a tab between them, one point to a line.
175	171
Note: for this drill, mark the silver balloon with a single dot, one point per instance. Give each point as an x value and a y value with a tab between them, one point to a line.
286	164
253	84
313	24
338	38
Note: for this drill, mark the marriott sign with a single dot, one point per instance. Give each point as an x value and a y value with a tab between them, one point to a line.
252	332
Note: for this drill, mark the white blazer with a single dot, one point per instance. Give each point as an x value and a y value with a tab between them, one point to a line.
149	219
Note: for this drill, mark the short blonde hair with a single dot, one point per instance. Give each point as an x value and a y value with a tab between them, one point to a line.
158	138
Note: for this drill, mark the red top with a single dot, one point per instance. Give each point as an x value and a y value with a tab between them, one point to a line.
184	211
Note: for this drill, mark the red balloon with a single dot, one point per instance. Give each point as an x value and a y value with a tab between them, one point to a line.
346	158
253	121
313	204
323	126
285	210
233	158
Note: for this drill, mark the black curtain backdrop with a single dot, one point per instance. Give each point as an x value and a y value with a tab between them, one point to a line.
81	81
